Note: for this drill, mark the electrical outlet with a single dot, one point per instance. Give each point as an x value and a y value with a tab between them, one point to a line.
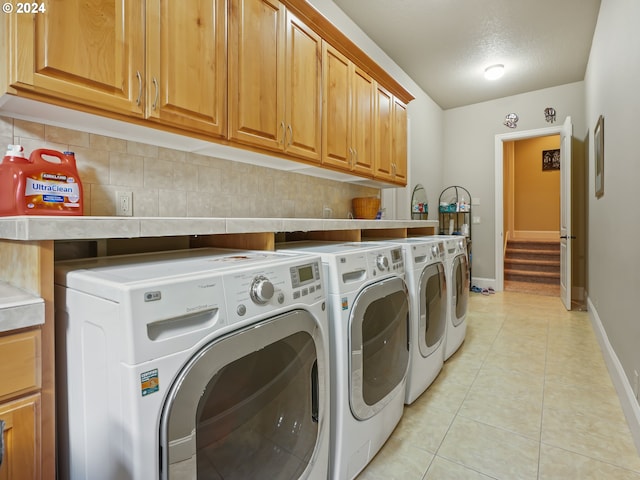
124	204
476	220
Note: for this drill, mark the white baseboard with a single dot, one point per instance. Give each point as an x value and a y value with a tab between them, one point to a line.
630	406
483	282
536	235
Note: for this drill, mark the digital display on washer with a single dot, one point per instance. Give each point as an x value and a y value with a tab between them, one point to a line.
303	274
396	255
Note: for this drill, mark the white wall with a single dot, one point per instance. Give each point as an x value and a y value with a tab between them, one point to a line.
611	87
469	136
425	149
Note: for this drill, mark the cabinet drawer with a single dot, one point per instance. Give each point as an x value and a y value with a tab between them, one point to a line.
20	358
21	435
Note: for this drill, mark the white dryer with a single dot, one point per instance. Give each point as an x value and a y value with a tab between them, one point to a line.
458	285
193	364
368	325
426	279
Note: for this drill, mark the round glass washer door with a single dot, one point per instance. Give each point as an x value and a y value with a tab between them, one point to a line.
248	405
379	344
432	308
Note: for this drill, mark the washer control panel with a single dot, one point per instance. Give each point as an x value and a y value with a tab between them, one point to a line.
256	291
388	260
262	290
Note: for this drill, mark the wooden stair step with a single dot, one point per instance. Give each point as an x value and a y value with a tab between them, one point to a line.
529	273
534	244
532	251
532	265
537	277
527	261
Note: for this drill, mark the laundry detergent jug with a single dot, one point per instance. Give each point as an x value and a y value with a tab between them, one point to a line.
39	186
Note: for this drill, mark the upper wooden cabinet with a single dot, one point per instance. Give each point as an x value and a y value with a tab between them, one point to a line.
93	54
269	75
390	138
347	114
186	64
90	53
399	142
274	79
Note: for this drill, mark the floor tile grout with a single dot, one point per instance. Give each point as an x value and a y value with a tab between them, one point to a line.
516	314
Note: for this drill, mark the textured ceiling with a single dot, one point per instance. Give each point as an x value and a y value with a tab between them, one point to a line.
445	45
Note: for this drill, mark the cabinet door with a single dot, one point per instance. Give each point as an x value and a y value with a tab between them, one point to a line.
336	109
362	121
91	53
303	90
383	168
256	86
186	64
21	436
400	142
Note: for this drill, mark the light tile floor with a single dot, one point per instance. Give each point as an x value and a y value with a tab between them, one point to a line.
527	396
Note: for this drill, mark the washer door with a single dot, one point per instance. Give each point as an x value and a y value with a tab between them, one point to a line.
459	289
432	309
379	345
248	405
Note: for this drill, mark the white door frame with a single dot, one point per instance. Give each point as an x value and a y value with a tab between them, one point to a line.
499	190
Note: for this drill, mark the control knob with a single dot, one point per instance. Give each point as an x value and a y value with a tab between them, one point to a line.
382	262
261	290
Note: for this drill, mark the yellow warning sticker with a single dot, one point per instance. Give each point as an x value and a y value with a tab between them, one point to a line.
149	382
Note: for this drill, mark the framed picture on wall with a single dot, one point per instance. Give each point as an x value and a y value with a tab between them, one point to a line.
598	144
551	159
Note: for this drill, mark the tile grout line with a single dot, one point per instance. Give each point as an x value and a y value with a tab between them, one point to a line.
455	415
544	384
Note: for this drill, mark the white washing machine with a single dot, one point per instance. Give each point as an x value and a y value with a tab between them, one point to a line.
368	325
458	284
426	280
194	364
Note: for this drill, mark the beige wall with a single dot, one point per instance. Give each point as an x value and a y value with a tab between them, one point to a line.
611	86
536	192
470	156
172	183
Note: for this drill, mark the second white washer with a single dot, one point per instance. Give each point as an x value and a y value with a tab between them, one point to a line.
369	345
426	280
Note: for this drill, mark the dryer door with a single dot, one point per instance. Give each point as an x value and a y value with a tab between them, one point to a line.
248	405
432	308
379	345
459	289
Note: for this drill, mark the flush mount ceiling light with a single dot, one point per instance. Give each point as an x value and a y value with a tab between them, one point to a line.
494	72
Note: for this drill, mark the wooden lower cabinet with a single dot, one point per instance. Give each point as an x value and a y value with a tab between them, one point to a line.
21	439
20	405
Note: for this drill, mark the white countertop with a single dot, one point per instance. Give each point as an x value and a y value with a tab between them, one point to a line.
86	227
19	309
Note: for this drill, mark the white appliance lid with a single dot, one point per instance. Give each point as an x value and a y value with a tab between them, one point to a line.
129	269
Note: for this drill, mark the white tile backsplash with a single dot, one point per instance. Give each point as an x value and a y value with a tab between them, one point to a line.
173	183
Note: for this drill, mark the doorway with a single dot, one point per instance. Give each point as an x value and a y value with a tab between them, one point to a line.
532	215
573	210
500	239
